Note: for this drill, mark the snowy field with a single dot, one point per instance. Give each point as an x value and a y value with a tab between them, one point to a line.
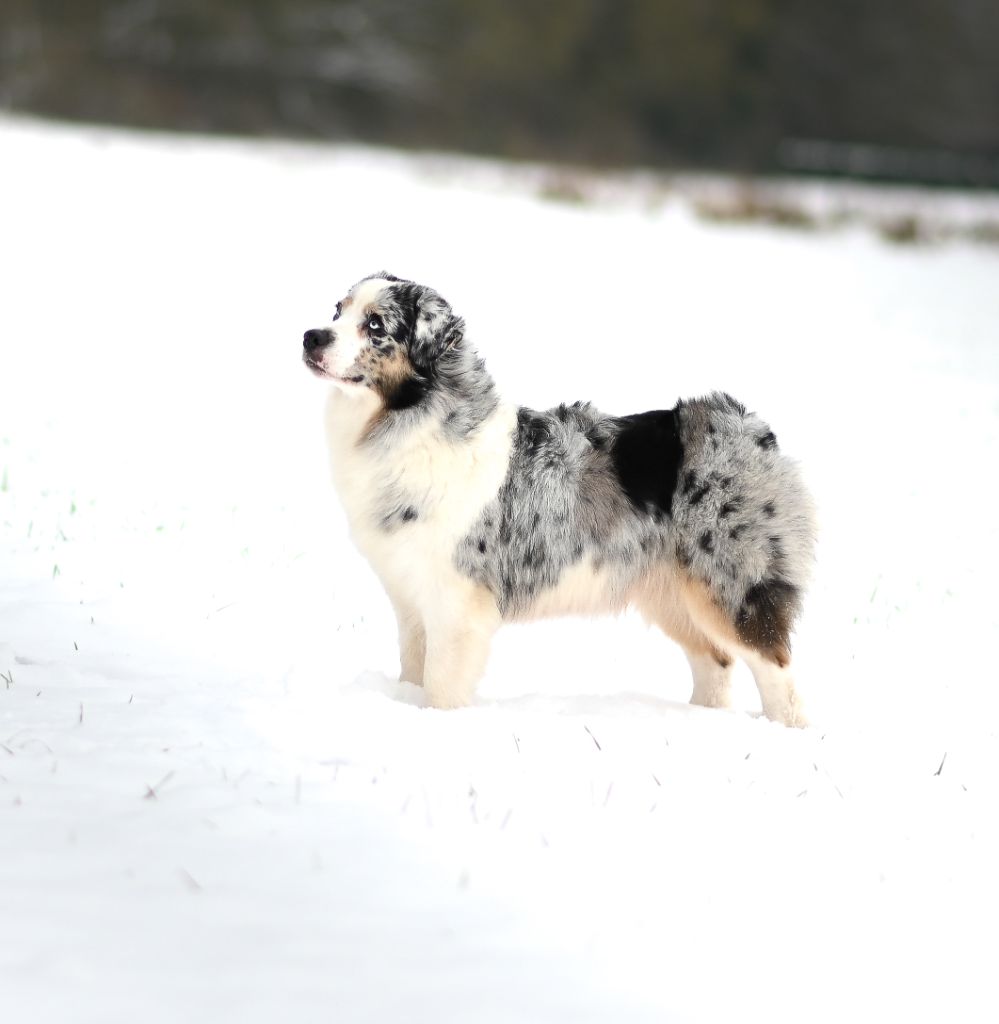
216	801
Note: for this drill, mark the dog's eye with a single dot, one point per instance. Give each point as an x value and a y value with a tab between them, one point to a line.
375	324
339	309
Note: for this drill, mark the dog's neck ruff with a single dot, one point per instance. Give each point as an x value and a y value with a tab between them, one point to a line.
456	390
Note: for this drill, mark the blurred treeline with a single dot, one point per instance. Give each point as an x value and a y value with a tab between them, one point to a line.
739	84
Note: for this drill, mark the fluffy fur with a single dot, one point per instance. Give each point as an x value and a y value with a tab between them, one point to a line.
474	512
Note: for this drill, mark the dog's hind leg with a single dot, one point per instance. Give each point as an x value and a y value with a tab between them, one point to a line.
663	606
778	696
458	640
712	676
763	624
760	636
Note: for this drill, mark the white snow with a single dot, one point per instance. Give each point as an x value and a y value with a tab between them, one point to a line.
216	802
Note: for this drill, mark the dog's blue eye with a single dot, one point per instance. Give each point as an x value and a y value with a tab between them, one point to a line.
375	324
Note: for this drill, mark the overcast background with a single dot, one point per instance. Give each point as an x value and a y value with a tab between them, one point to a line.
868	88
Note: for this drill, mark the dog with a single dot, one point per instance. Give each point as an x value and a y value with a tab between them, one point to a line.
474	512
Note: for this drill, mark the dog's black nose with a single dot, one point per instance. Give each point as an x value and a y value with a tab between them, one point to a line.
318	337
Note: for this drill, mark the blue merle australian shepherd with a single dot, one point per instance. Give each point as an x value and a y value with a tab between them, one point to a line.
474	512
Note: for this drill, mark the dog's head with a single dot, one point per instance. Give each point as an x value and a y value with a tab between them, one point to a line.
387	336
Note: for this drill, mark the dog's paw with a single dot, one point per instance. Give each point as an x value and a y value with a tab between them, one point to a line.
447	700
791	714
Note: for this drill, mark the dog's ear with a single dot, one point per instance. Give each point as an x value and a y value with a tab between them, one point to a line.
434	328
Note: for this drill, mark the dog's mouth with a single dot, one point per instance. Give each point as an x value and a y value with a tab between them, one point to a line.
317	368
320	371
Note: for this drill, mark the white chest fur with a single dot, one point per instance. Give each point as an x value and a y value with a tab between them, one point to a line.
446	483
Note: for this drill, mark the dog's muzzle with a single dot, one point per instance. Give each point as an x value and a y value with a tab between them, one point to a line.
317	338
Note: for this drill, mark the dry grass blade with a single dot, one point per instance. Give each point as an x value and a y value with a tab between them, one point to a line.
592	737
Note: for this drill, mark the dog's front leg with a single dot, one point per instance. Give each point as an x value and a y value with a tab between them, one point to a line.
412	647
458	639
412	635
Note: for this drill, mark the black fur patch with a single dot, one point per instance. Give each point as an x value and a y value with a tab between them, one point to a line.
482	547
707	542
596	439
696	497
767	440
410	393
533	428
408	514
733	505
769	511
766	616
646	455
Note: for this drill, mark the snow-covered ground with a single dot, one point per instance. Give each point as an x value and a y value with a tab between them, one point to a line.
216	802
